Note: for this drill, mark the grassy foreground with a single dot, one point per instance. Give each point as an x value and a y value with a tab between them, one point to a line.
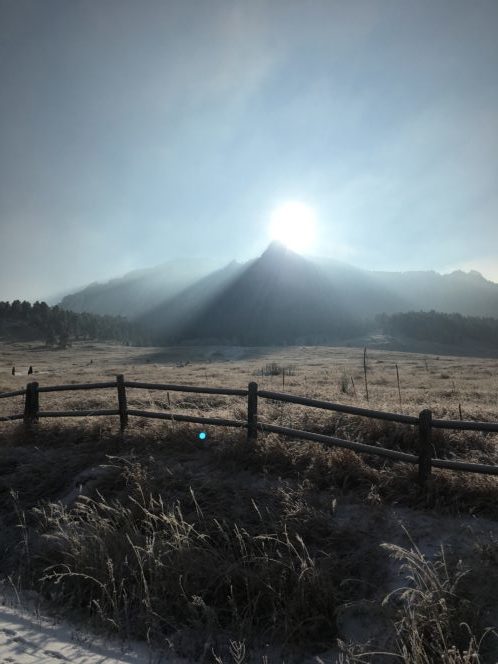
218	550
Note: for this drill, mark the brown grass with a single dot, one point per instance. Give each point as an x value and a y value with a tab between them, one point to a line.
436	618
188	542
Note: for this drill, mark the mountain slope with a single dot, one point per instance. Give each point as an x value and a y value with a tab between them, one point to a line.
279	297
136	292
458	292
172	315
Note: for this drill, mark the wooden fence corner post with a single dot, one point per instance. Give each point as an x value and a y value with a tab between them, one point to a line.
122	404
31	405
252	413
425	446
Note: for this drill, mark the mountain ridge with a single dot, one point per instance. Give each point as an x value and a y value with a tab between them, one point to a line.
278	297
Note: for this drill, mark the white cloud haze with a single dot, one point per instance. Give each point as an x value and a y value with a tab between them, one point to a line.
134	132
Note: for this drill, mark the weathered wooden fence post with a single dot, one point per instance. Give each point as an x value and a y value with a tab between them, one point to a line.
425	443
252	413
122	405
31	405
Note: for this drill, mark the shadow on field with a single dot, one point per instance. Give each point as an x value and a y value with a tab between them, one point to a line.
165	537
182	354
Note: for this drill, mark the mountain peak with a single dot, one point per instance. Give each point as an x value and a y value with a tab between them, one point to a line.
472	274
277	249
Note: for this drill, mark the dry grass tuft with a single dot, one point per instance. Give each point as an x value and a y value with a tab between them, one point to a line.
436	619
195	555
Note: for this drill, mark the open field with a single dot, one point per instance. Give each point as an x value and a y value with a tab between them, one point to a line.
218	550
438	382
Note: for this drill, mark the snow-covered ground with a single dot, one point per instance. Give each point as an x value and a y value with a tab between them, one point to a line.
28	636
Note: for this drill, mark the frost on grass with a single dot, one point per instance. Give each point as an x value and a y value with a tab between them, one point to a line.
217	548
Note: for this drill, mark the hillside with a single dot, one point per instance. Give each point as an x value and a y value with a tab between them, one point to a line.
279	297
442	328
467	293
136	292
284	298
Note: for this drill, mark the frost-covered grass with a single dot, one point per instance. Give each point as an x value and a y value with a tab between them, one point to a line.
216	548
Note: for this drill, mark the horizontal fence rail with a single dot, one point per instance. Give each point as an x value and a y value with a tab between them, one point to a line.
10	418
463	425
424	459
217	421
340	408
332	441
77	386
186	388
17	393
78	413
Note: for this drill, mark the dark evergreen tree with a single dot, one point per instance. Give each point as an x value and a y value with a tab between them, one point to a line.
56	326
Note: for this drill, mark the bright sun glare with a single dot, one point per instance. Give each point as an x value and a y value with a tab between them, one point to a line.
293	224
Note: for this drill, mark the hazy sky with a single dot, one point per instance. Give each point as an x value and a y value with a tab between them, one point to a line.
135	131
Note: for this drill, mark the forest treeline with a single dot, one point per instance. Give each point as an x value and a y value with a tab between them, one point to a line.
58	327
442	328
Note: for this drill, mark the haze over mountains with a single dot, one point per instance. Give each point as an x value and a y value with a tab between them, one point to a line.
279	297
139	291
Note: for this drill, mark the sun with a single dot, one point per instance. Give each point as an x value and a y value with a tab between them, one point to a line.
294	224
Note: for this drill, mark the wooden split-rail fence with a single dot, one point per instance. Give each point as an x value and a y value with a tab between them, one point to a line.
425	460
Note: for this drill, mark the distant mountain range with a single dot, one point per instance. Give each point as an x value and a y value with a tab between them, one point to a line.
139	291
280	297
